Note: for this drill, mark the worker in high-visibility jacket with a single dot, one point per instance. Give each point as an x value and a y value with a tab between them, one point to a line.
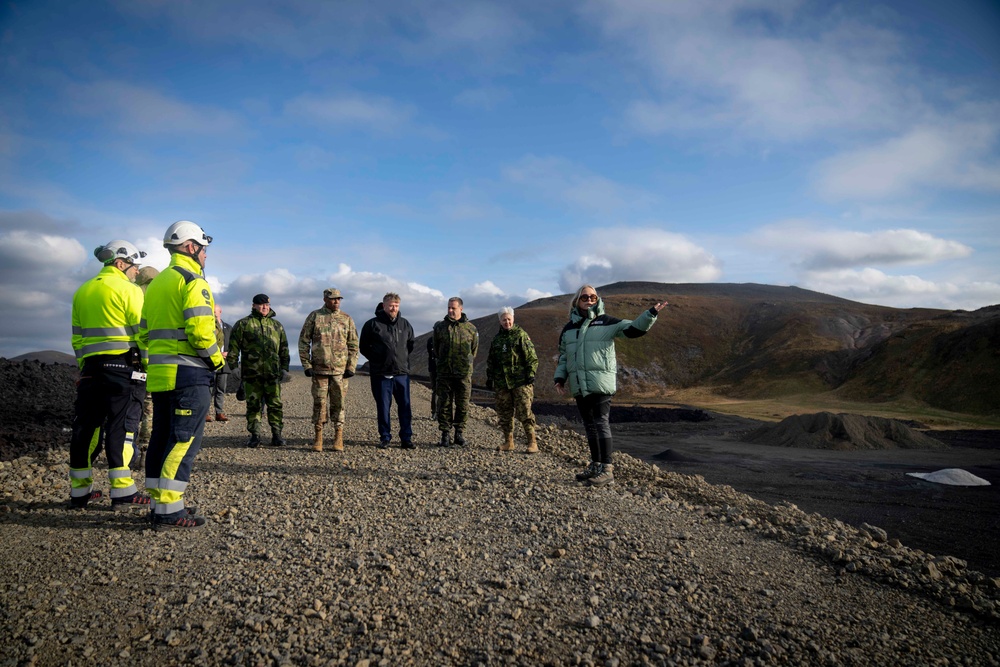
178	322
106	312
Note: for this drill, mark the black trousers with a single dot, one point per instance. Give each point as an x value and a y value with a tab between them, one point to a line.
595	410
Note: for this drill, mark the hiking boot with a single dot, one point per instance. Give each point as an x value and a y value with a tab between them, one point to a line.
459	438
221	417
605	477
81	502
532	443
590	471
185	520
254	440
508	443
318	440
338	440
445	439
276	439
135	500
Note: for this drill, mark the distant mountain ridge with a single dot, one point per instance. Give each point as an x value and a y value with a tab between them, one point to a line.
757	341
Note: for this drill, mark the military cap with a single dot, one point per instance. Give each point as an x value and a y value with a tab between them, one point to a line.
331	293
261	299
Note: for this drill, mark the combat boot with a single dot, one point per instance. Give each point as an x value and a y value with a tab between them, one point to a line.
508	443
276	439
532	443
318	442
445	439
605	476
253	440
338	440
459	438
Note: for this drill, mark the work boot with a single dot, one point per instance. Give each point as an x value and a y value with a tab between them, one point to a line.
445	439
80	503
276	439
508	443
532	443
254	440
221	417
588	472
135	500
338	440
459	438
318	441
605	476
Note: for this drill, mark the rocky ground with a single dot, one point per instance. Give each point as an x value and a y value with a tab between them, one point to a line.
458	557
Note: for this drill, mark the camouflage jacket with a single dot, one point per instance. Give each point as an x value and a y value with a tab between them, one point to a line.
260	347
512	361
455	345
328	343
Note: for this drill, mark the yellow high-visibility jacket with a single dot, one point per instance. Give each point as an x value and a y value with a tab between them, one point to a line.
106	313
178	326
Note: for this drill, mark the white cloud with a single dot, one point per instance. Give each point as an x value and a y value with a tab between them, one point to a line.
639	254
955	157
815	248
763	69
378	114
870	285
139	110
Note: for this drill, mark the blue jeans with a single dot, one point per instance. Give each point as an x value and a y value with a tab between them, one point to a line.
384	389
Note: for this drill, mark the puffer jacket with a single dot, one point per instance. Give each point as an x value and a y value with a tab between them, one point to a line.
260	346
587	349
455	345
512	361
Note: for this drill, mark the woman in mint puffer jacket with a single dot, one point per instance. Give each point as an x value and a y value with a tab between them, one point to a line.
588	364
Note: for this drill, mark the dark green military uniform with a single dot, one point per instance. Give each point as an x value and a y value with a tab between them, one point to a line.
510	373
259	345
455	345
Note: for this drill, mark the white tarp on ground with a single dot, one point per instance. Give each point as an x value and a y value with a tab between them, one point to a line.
952	477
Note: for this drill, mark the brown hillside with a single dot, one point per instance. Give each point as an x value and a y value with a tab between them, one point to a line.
753	341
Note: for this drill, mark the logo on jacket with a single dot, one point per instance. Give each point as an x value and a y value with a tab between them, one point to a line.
208	297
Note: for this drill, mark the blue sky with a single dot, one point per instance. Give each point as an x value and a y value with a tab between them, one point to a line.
500	151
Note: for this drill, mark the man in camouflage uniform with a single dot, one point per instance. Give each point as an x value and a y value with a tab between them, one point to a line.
146	275
510	373
456	342
328	349
259	346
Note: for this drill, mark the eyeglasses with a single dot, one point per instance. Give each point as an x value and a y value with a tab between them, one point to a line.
588	297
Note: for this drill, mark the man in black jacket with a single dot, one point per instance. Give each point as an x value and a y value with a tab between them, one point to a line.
386	340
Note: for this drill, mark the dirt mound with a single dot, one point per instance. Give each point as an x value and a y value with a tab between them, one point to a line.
825	430
36	406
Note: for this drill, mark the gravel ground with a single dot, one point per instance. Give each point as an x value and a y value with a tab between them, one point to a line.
461	557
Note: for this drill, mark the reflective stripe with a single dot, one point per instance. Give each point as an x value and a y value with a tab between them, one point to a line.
79	474
95	332
167	334
124	492
118	473
198	311
166	484
207	354
168	508
176	360
122	345
81	492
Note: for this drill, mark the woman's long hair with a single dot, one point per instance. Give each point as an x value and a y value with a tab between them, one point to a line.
576	298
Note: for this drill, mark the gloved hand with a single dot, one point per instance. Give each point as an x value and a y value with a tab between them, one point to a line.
308	372
348	374
241	394
286	377
530	380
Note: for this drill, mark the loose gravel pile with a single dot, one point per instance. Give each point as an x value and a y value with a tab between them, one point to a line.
462	557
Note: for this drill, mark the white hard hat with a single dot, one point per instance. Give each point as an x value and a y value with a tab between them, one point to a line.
185	230
118	249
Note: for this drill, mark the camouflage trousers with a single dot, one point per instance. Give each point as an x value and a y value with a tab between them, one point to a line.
453	396
515	402
259	394
146	425
329	392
